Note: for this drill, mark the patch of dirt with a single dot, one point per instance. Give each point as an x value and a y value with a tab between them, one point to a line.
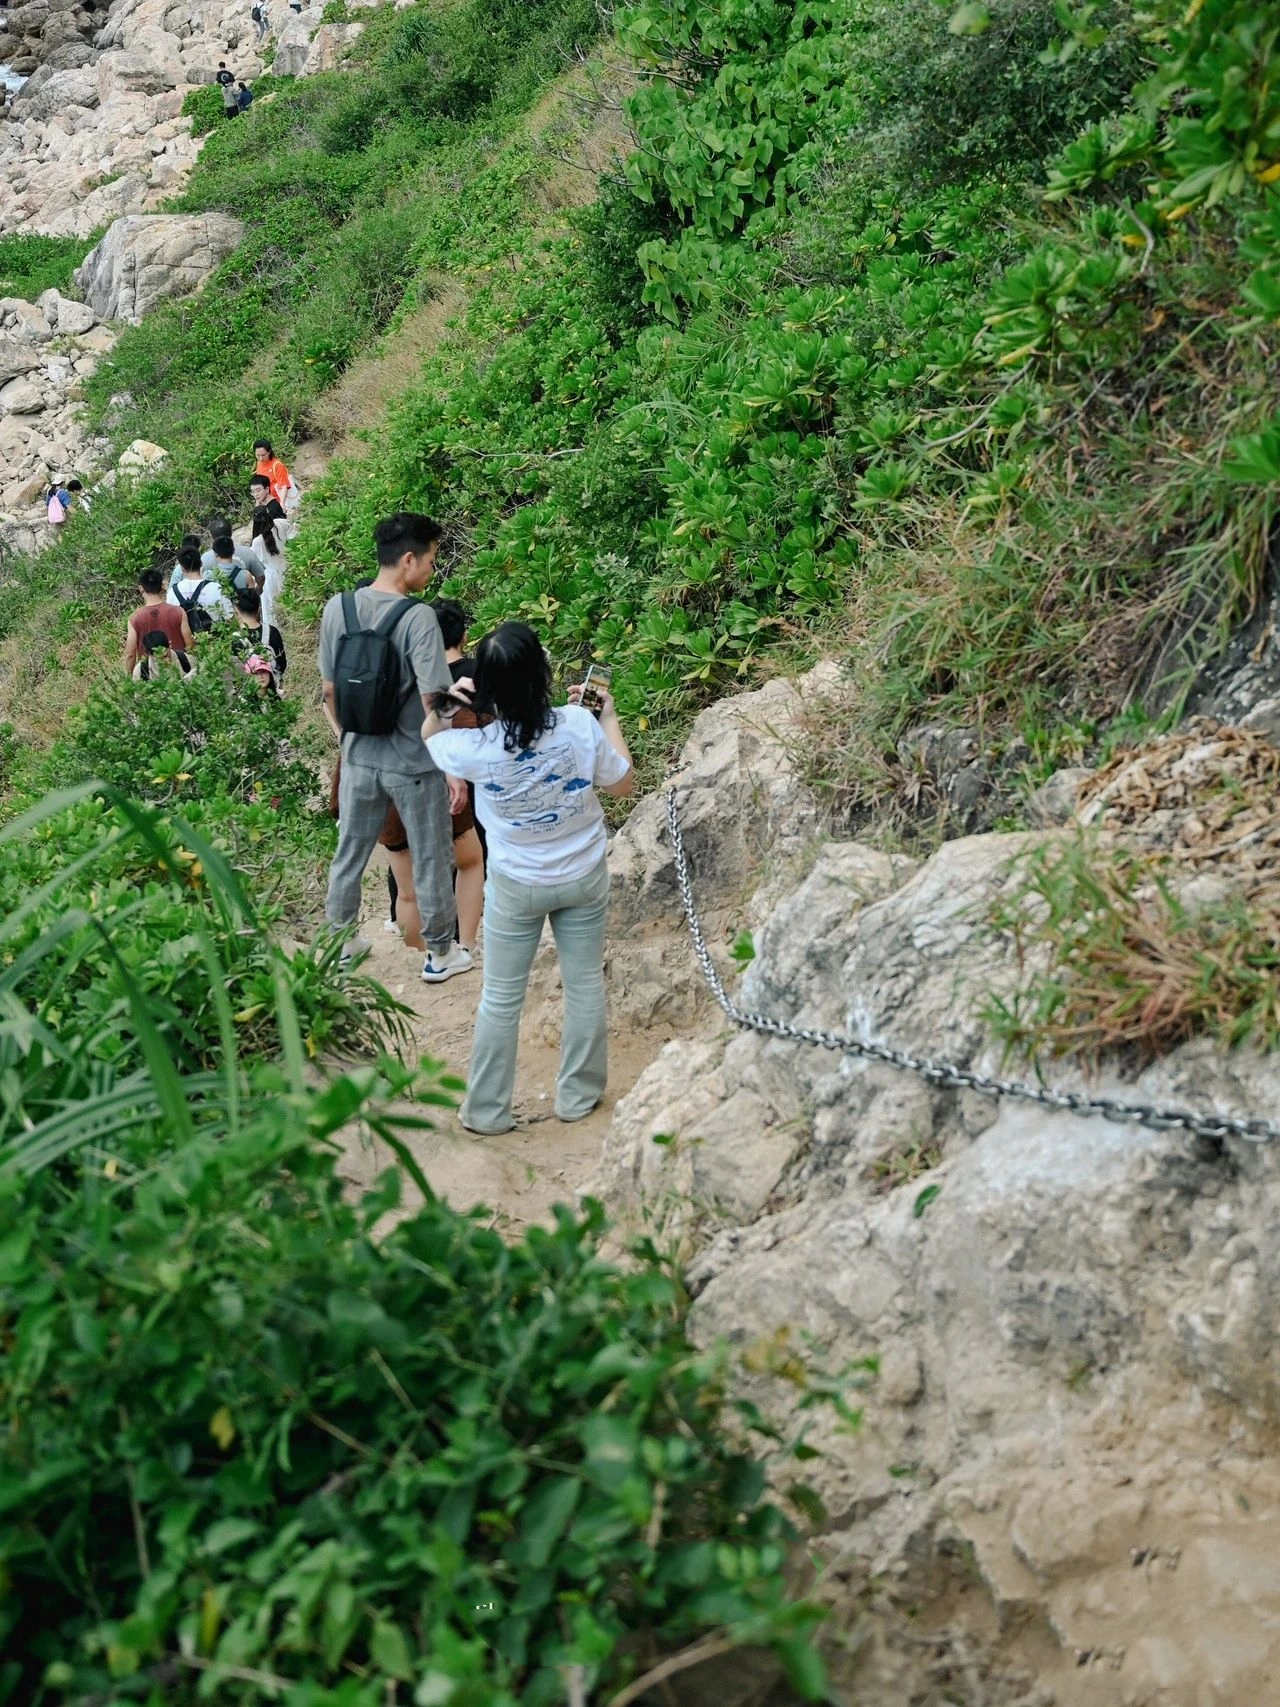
522	1175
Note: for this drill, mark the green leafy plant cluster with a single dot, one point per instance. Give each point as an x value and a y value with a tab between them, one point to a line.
30	265
252	1442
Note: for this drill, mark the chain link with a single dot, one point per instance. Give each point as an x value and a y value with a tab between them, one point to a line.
947	1074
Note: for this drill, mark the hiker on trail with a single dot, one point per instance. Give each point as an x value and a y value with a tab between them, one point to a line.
261	22
261	499
406	919
468	844
381	658
536	771
244	96
198	596
276	474
155	615
159	658
57	504
268	547
245	556
78	495
259	642
230	105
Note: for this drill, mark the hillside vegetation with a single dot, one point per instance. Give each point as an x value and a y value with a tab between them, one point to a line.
940	339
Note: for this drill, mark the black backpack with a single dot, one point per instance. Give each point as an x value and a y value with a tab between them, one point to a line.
199	620
368	676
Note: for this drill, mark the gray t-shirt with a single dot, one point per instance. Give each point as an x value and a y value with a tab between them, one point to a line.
417	639
244	555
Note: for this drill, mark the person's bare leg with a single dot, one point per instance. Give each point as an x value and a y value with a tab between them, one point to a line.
408	917
469	859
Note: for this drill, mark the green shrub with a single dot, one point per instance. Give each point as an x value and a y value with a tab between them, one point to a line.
31	264
249	1437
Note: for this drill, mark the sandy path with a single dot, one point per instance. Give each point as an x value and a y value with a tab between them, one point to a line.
521	1175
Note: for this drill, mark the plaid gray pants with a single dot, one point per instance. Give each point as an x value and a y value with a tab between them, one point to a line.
422	801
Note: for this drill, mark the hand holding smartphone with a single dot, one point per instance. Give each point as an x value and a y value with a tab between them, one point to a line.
596	685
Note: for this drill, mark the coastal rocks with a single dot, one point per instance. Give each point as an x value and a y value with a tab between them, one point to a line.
329	47
145	258
48	348
293	45
1070	1321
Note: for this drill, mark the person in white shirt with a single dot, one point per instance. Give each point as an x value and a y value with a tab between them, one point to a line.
195	592
536	772
268	547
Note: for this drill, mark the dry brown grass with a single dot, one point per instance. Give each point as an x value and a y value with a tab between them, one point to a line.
359	400
1166	927
580	132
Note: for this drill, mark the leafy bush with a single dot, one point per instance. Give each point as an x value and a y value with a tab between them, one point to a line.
250	1439
275	1450
123	915
31	264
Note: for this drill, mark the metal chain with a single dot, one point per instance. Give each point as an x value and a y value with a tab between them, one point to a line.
947	1074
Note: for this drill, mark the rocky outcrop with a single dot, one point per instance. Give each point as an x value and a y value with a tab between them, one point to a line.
146	257
48	348
1059	1331
294	41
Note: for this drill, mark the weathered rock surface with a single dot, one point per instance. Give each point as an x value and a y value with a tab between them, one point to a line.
1065	1489
147	257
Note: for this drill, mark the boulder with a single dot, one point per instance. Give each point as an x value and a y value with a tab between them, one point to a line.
293	44
329	47
21	397
74	318
146	257
1069	1321
140	456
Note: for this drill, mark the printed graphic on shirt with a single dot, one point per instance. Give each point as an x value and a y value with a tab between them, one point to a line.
538	792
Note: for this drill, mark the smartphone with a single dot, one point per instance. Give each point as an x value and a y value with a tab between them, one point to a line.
598	679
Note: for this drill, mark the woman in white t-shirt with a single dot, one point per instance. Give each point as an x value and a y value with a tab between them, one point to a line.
268	541
536	771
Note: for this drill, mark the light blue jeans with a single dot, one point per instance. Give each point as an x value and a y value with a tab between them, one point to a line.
513	918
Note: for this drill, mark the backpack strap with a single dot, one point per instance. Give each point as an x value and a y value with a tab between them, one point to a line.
350	621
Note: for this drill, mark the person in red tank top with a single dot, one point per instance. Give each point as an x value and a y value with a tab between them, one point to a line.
155	615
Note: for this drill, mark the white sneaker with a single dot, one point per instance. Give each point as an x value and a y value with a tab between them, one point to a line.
355	949
391	927
435	969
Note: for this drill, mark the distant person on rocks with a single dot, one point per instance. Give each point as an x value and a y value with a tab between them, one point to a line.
198	596
154	615
536	771
79	496
268	546
381	660
57	503
276	474
261	22
158	657
468	844
227	79
244	96
259	642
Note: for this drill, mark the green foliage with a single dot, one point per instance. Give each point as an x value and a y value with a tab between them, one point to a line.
31	264
245	1431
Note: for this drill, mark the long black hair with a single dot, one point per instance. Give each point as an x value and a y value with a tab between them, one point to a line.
264	527
513	681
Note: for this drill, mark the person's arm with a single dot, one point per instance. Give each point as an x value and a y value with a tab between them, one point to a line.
276	641
330	705
130	646
611	729
187	640
246	555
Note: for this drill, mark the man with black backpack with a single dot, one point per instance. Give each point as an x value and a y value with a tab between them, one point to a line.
381	660
198	596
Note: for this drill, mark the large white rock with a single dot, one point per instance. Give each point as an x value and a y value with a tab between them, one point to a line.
146	257
21	397
1067	1463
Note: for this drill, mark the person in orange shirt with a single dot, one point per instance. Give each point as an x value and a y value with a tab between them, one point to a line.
272	470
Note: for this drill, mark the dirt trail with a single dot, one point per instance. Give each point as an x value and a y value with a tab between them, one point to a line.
523	1174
